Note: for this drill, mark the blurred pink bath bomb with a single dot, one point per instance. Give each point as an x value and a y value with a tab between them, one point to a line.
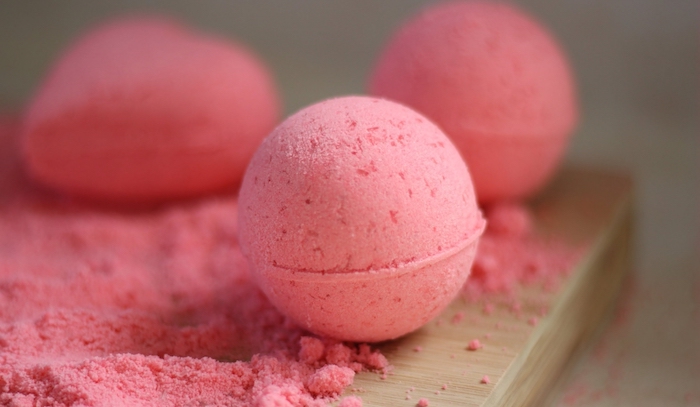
359	219
143	110
495	81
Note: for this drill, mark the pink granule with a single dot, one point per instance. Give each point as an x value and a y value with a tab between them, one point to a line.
485	380
423	402
108	307
474	344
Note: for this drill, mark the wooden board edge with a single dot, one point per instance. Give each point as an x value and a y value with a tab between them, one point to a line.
577	312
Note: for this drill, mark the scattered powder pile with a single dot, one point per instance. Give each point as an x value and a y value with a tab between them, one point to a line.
512	255
107	308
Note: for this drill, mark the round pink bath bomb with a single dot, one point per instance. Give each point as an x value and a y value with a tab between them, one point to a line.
358	218
495	81
144	110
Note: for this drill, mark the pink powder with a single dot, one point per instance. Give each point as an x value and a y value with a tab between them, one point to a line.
511	255
474	344
311	350
509	219
485	380
423	402
102	307
330	380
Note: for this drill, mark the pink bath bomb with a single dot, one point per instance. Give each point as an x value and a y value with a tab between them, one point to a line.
495	81
358	218
144	109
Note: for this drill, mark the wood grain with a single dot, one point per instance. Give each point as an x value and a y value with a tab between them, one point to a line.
524	362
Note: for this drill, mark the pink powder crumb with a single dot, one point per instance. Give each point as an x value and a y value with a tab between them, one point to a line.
487	335
474	344
485	380
533	321
458	317
330	380
357	359
350	401
423	402
311	350
488	309
510	219
444	386
418	349
338	354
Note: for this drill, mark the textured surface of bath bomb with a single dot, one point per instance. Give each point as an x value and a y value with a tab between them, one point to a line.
495	81
359	219
143	109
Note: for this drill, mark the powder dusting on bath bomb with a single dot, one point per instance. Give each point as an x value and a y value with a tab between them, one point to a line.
495	81
352	197
144	109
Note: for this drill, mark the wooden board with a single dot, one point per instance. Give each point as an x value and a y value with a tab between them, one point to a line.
525	362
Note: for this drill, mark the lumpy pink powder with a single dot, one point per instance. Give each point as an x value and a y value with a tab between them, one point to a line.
511	254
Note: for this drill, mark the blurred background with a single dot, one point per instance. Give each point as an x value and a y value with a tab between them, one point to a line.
637	67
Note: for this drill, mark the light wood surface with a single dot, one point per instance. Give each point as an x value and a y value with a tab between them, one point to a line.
525	363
